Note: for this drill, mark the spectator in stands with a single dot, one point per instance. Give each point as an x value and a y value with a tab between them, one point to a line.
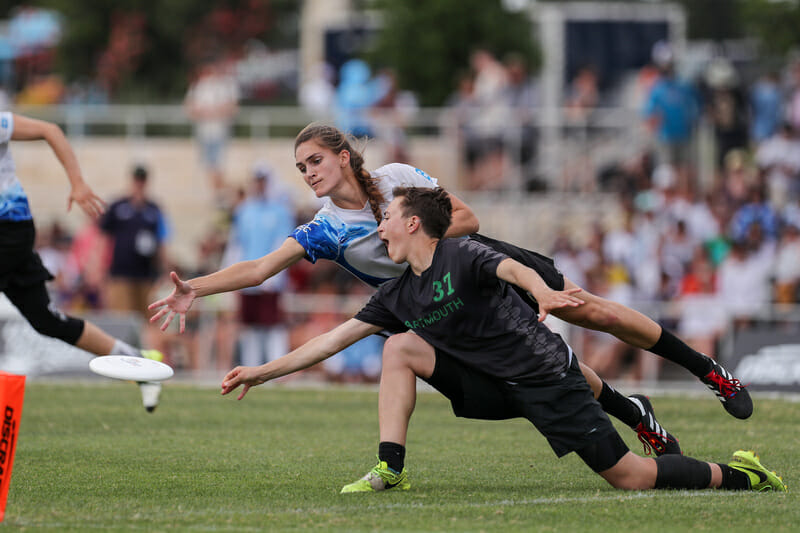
391	115
583	95
462	107
727	108
356	93
778	159
793	98
523	98
138	230
317	93
766	107
53	245
702	317
676	250
212	102
755	211
743	282
672	111
489	124
260	224
738	175
787	265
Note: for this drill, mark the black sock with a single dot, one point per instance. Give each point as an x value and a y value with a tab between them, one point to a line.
681	472
673	349
733	479
619	406
393	454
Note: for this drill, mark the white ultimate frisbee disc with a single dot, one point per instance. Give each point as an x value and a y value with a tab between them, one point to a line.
130	368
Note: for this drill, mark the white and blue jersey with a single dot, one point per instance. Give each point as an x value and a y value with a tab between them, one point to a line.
13	200
350	236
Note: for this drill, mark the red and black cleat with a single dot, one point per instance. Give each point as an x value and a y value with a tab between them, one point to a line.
730	391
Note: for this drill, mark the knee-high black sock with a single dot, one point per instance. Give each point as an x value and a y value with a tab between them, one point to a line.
673	349
681	472
393	454
619	406
733	479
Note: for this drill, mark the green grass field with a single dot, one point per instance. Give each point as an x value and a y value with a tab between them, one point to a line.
90	458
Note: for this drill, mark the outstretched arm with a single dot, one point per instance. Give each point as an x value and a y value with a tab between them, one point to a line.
237	276
310	353
515	272
29	129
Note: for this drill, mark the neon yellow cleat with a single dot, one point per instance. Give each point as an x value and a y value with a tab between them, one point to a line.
379	478
155	355
761	479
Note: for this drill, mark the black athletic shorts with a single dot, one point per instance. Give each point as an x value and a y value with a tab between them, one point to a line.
20	266
543	265
563	410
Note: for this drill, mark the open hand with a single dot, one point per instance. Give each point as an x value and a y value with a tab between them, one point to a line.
87	200
178	303
556	300
249	376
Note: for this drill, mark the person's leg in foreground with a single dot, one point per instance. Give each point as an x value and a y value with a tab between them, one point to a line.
580	426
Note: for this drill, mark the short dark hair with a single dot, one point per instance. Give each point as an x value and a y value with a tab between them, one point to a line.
432	206
140	173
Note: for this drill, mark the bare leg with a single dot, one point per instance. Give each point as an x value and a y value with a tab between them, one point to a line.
594	380
597	313
405	357
634	472
95	340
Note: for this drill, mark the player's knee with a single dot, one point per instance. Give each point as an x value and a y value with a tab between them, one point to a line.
628	482
397	346
403	349
629	479
631	472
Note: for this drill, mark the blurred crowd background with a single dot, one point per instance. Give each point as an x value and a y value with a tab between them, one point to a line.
652	148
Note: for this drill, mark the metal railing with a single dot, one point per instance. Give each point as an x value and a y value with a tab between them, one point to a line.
560	138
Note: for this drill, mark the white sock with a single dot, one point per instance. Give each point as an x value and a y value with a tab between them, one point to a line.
123	348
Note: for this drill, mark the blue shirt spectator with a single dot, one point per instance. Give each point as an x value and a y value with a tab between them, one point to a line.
260	225
139	229
356	94
766	104
755	211
673	105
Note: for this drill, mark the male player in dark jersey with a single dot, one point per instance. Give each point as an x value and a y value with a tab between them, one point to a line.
489	355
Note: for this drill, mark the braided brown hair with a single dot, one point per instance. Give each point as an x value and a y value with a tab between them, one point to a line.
334	139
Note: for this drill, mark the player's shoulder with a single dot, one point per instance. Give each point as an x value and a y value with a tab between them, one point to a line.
403	174
6	125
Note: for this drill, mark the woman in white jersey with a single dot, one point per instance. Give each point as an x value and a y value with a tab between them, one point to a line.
22	274
345	231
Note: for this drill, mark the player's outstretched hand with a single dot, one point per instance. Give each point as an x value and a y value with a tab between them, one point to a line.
178	303
249	376
558	299
87	200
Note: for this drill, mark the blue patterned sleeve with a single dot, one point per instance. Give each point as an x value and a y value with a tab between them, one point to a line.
6	126
319	238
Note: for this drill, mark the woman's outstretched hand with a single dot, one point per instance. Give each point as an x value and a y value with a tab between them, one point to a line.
178	303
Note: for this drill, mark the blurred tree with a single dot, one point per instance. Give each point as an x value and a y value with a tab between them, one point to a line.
428	43
776	23
146	49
